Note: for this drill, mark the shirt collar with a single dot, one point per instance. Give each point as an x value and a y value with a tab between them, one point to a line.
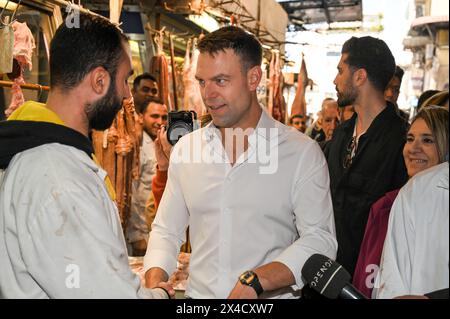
443	181
267	128
378	123
146	138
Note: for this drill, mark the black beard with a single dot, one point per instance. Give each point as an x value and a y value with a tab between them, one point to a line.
102	112
347	98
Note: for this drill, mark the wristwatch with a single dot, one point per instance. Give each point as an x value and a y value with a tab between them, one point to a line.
249	278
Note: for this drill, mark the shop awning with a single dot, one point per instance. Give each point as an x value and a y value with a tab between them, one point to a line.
319	11
421	21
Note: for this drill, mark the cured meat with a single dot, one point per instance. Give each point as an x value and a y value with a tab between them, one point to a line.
278	104
299	104
160	69
271	84
192	95
117	150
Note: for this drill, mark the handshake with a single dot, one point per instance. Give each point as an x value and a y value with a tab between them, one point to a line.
166	290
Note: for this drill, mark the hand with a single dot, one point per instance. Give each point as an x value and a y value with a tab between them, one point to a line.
168	288
162	149
241	291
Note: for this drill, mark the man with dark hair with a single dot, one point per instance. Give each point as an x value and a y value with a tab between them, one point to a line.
392	91
151	116
244	243
144	87
365	154
298	121
423	97
60	232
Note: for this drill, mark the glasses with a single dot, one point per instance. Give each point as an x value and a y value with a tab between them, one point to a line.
349	152
298	123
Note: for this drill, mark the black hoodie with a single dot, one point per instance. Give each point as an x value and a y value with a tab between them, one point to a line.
17	136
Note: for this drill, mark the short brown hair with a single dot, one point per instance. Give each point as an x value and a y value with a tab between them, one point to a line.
243	44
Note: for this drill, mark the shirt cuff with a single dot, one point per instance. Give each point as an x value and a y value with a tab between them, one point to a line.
161	259
294	264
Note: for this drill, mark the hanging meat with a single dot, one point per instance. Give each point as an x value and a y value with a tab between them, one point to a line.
117	150
22	52
299	104
192	96
271	84
160	69
279	104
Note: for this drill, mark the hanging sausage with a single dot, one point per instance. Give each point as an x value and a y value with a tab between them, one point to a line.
117	150
160	69
192	95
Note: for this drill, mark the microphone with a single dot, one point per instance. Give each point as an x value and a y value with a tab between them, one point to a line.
329	278
438	294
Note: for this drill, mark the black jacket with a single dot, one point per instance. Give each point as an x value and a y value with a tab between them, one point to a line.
377	168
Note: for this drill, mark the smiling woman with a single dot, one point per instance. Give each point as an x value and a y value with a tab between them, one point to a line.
427	140
426	146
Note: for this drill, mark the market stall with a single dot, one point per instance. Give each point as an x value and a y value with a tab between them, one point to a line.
163	39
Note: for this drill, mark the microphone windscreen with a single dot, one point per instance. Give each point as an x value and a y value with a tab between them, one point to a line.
325	276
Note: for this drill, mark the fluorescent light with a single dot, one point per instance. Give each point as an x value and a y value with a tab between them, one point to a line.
11	5
205	21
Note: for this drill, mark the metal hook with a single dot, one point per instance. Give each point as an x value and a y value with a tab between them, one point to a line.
12	16
39	92
1	13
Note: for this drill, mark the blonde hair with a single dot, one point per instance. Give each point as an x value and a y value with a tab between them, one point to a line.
436	118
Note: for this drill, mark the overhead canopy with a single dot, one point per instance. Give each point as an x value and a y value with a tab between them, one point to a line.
418	22
428	26
304	12
265	18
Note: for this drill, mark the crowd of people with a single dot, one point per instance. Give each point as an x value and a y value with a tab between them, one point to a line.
362	185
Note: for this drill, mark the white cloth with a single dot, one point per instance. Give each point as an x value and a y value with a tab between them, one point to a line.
240	218
60	233
137	225
415	257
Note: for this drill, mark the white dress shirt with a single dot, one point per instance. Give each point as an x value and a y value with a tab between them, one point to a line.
415	256
60	233
260	210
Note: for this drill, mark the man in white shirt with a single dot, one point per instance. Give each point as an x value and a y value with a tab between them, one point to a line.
60	233
152	115
254	192
416	251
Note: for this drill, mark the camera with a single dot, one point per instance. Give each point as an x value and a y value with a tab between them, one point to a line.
180	123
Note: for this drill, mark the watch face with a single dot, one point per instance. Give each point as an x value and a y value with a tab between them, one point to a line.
248	277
